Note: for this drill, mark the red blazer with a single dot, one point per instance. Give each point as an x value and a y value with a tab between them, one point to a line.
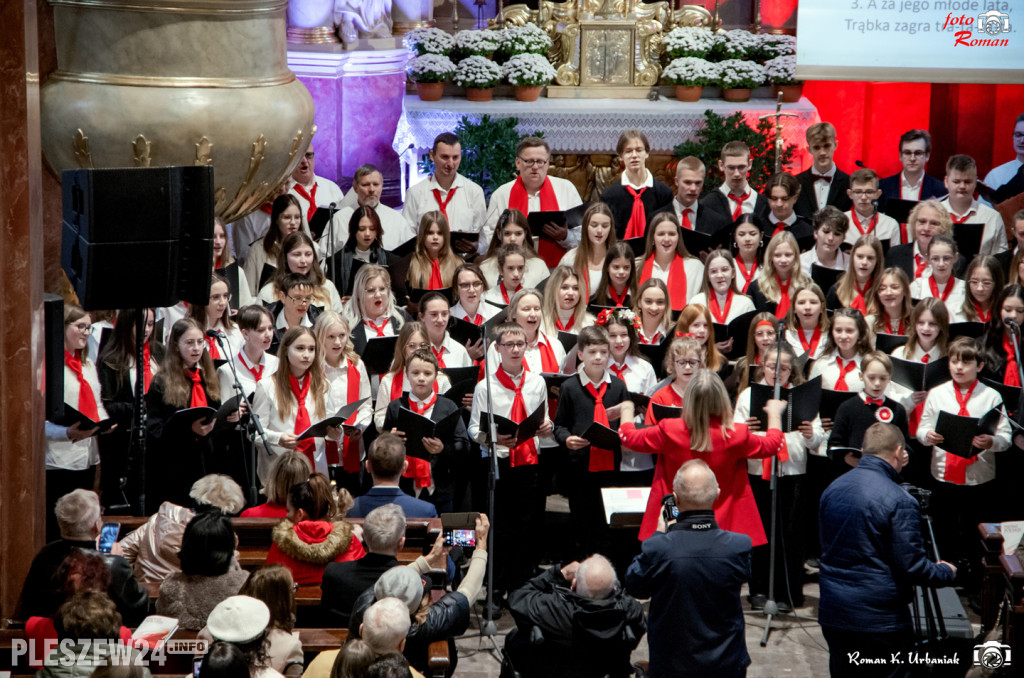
735	509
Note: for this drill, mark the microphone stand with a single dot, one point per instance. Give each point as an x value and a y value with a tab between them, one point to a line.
330	244
1015	331
488	627
137	446
254	427
771	608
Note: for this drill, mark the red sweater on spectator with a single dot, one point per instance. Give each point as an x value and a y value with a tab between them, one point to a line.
40	630
306	547
267	510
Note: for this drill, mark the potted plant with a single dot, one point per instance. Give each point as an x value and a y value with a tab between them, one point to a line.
478	75
526	39
476	43
738	77
428	41
777	45
430	72
688	41
781	73
735	44
528	73
689	75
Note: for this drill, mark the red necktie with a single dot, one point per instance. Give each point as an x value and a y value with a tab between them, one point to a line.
147	368
211	345
86	398
780	226
600	459
812	345
350	458
920	263
783	306
504	291
686	219
961	220
436	282
858	301
527	452
843	371
748	276
568	325
871	224
915	415
302	421
1012	377
719	314
956	466
443	204
934	286
257	372
310	198
618	300
619	370
739	200
638	216
198	398
419	469
439	354
379	330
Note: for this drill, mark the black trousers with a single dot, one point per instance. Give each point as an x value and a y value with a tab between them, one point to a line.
847	648
789	539
957	510
516	521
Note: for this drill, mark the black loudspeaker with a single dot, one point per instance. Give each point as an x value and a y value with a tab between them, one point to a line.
53	366
137	238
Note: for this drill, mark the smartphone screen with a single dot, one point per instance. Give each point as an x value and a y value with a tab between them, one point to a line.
460	538
197	664
108	535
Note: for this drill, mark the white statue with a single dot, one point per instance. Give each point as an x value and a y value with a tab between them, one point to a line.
362	19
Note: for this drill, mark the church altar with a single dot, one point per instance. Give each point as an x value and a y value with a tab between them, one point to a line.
583	133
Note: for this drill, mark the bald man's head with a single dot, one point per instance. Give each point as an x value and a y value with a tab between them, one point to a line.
595	578
695	486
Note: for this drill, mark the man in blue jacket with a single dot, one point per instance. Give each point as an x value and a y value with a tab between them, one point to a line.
872	555
693	573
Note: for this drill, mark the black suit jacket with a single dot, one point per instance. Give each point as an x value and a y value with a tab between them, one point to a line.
807	204
276	309
343	582
802	230
711	221
576	412
890	187
716	200
621	203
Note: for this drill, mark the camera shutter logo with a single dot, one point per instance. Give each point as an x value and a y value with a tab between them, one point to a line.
992	655
994	22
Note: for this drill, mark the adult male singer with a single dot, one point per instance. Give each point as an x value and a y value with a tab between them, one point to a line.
1012	170
824	183
913	183
312	191
368	185
459	199
690	173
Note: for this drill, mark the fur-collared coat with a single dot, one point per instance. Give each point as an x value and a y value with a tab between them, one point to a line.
306	547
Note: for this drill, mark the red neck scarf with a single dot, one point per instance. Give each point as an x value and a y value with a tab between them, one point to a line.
267	207
915	414
748	276
858	301
811	345
350	458
443	204
766	464
439	354
519	199
618	300
676	280
310	197
888	326
619	370
568	325
783	306
737	211
956	466
527	452
638	216
843	371
653	340
983	315
198	397
211	346
934	286
600	459
477	320
302	420
960	220
379	330
436	281
257	371
871	224
720	314
86	398
548	362
147	368
920	264
504	291
1012	376
419	469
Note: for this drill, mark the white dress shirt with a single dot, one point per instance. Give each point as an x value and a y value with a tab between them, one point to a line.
678	207
380	407
639	377
454	353
466	211
922	289
268	295
593	276
811	257
536	271
748	204
741	304
244	368
910	191
694	278
793	338
993	236
828	368
338	379
886	228
488	311
1002	174
821	187
565	193
61	452
535	394
326	192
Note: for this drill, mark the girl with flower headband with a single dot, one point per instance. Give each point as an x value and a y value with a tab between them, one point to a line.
565	304
927	340
781	269
682	360
618	278
696	321
720	292
890	309
588	258
761	336
513	229
807	322
651	307
857	287
667	259
792	468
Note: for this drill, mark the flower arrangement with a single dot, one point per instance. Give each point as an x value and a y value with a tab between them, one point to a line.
622	314
735	44
691	71
528	70
477	72
739	74
777	45
781	70
431	68
688	41
428	41
526	39
477	43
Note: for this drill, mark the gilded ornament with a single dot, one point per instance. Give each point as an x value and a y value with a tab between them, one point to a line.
141	148
204	152
80	144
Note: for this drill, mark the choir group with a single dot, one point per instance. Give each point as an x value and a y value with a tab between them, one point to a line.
341	318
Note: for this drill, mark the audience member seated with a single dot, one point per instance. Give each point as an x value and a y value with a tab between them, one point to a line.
209	571
89	619
153	548
287	470
224	660
696	617
385	462
80	520
351	661
80	571
574	621
383	538
385	627
273	584
444	619
242	621
391	665
315	532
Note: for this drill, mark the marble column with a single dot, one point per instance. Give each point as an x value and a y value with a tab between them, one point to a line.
22	493
357	99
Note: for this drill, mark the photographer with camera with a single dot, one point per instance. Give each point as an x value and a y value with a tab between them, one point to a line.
872	555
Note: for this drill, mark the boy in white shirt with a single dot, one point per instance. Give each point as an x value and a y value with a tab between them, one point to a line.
962	180
830	227
864	215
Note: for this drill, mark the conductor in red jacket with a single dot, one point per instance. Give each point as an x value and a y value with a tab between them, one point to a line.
706	432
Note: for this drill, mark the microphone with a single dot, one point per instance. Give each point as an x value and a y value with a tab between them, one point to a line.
859	163
214	333
332	206
1013	325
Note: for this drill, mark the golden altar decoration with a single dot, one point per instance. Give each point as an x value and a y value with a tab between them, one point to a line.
606	48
